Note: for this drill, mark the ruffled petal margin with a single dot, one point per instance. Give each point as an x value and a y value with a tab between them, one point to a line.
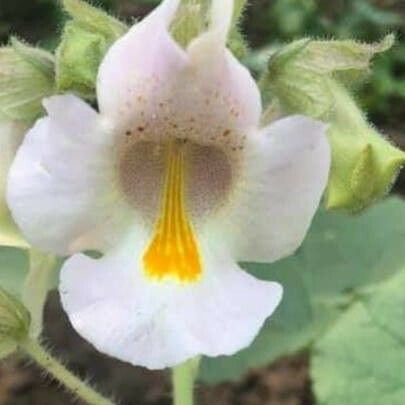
161	324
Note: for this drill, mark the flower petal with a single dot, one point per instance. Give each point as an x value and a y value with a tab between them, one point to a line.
60	187
139	63
287	167
161	324
147	81
11	135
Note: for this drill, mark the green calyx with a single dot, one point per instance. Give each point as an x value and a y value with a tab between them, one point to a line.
26	77
85	40
14	323
310	78
364	163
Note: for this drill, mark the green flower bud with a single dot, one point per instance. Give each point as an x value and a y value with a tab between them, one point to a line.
79	56
26	77
364	163
14	323
308	77
85	40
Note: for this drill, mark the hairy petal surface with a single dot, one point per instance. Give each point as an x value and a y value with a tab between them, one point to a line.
60	186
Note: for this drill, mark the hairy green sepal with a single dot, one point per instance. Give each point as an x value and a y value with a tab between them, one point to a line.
14	323
312	78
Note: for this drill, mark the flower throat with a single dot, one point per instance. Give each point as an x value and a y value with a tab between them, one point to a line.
172	251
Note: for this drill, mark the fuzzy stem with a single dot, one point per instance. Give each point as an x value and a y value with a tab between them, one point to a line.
75	385
36	287
183	377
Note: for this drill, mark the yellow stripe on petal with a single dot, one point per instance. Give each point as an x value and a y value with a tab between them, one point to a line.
173	250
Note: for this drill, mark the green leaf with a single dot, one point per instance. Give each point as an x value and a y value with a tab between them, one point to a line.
339	256
362	356
296	323
24	81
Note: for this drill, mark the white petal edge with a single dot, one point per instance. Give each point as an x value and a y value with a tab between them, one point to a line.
161	324
60	187
286	171
11	136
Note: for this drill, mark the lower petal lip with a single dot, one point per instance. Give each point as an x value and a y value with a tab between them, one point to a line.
158	325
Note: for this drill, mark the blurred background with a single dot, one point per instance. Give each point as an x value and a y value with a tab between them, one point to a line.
267	24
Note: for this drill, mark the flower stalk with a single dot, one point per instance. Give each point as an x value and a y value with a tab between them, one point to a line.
183	377
36	287
75	385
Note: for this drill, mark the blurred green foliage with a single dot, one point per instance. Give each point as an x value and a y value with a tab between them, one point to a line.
268	23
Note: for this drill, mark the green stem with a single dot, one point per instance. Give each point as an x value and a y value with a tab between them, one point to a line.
75	385
183	377
36	287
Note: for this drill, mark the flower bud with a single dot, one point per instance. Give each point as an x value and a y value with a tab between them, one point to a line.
364	163
85	40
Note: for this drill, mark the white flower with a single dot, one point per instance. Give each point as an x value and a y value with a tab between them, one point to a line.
175	184
11	135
